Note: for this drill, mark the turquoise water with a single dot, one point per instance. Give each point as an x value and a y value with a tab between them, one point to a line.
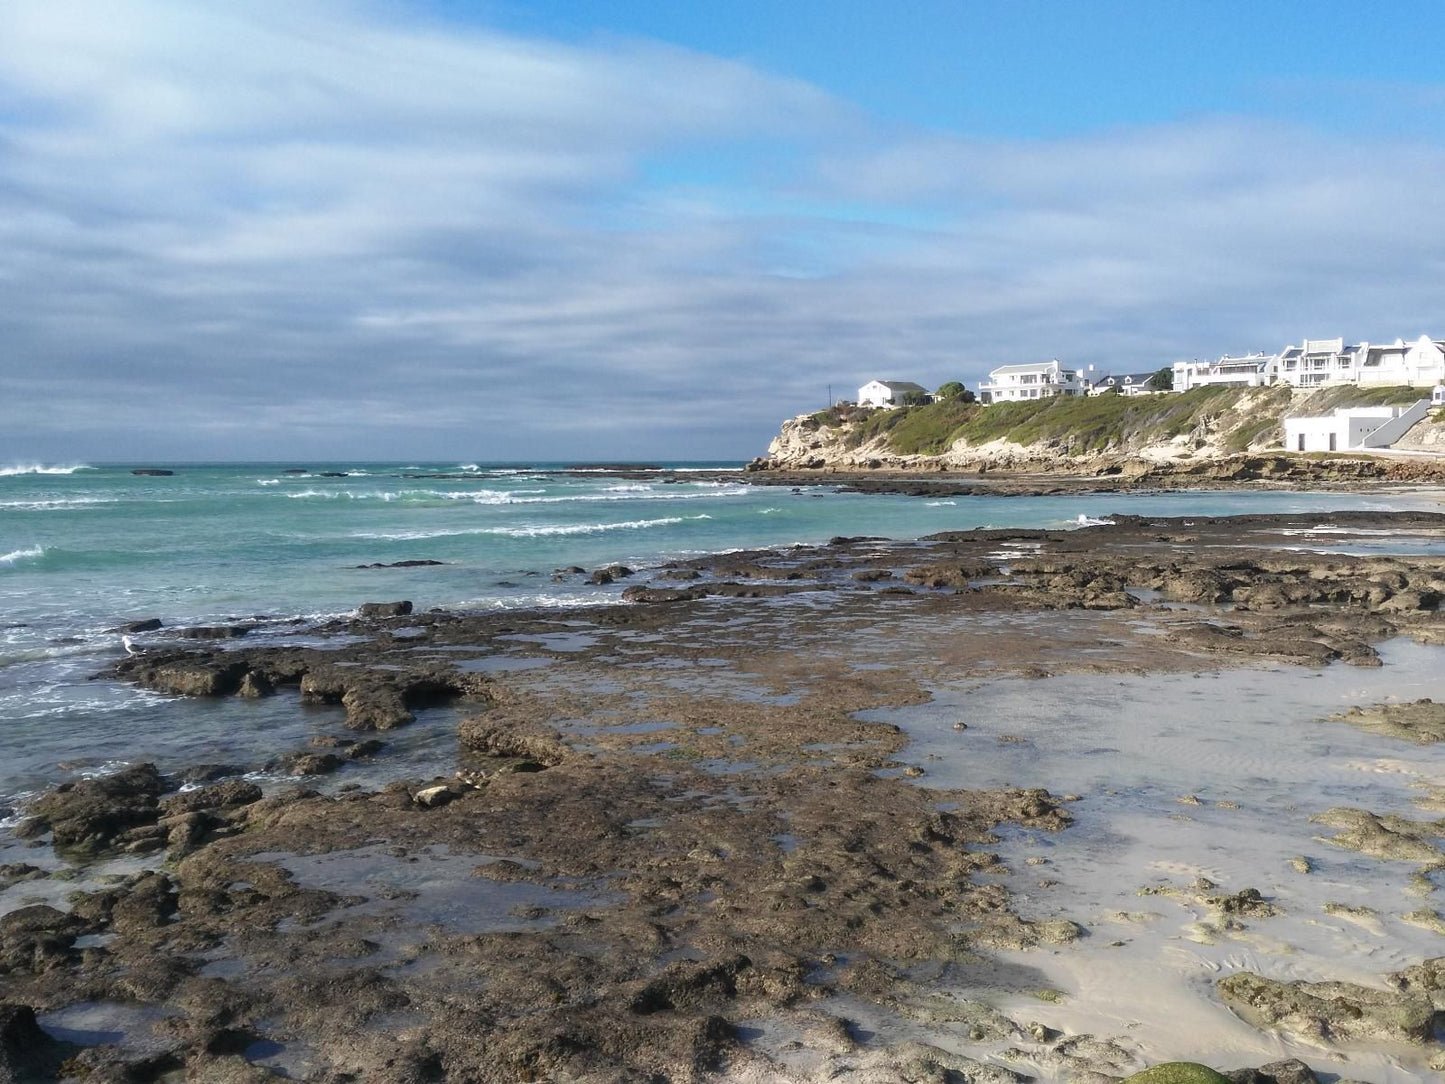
83	548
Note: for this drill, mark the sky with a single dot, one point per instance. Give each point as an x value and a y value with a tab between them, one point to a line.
497	230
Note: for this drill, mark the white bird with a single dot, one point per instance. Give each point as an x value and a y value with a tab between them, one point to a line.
129	645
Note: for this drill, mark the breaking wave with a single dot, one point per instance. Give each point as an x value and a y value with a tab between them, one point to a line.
40	468
511	496
530	531
49	503
14	557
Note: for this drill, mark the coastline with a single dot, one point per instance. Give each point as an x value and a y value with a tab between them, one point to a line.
684	835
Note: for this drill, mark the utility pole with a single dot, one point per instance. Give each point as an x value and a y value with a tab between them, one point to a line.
830	396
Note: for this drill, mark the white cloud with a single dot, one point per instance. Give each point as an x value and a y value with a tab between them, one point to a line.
345	232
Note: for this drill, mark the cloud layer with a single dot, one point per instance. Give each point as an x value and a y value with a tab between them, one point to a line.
280	229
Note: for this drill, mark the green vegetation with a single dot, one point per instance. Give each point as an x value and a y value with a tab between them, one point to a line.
924	430
1163	380
1097	422
1082	424
951	389
1350	395
1178	1072
1079	425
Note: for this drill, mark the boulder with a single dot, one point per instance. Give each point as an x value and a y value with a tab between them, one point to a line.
93	815
1337	1011
432	797
199	676
37	938
214	632
148	624
255	685
1289	1071
375	707
529	741
384	609
228	795
1178	1072
26	1051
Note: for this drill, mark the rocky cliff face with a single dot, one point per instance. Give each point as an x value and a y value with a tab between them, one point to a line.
806	443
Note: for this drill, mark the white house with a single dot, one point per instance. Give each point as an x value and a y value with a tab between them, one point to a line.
1237	370
1437	397
887	393
1329	361
1353	427
1040	380
1127	384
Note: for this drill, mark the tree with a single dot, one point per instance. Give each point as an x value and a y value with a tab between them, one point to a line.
1163	380
952	390
915	398
967	397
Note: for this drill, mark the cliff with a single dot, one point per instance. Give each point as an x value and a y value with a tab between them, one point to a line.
1094	435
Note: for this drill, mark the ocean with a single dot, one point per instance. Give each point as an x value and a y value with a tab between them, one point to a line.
84	548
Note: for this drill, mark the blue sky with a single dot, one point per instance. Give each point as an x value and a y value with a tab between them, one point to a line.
409	228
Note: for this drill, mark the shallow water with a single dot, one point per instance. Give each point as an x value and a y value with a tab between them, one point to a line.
1182	776
83	549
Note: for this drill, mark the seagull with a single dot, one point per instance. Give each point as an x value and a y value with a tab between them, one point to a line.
129	645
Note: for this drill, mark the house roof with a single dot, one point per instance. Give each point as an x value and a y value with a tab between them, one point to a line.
1124	378
1035	367
901	385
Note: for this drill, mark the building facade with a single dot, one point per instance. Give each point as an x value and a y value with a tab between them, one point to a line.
1041	380
1353	427
1232	370
888	393
1123	384
1317	362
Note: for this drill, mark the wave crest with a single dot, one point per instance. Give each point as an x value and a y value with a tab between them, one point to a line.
41	468
16	556
540	530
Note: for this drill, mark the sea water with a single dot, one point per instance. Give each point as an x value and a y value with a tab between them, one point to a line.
84	548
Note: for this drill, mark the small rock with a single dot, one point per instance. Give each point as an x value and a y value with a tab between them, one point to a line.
148	624
384	609
214	632
432	797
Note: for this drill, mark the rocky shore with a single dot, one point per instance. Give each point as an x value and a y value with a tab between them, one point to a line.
677	842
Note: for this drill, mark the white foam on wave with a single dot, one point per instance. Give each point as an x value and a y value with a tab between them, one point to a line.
16	556
268	481
53	503
512	496
41	468
539	530
940	504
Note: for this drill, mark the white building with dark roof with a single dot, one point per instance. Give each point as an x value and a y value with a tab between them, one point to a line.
888	393
1317	362
1039	380
1232	370
1130	384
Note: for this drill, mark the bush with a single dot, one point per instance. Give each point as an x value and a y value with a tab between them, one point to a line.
952	390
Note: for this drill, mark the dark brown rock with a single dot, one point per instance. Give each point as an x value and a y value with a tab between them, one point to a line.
384	609
92	816
528	741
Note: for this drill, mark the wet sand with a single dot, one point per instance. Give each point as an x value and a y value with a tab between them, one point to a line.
989	806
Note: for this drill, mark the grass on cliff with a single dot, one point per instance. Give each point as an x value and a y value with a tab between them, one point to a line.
1349	395
1081	424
